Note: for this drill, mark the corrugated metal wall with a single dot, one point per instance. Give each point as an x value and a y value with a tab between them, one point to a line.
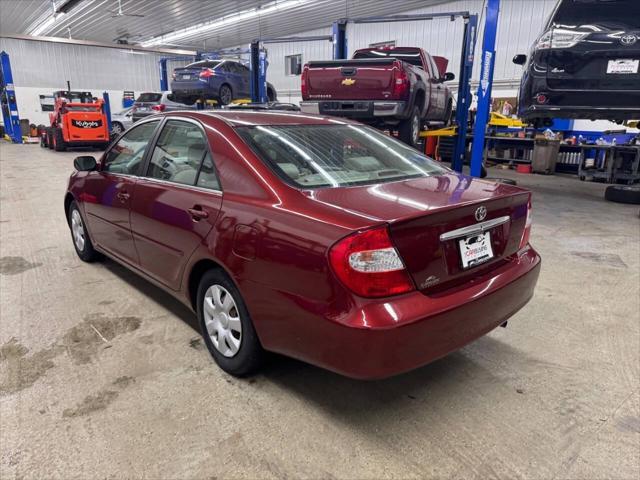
50	65
520	23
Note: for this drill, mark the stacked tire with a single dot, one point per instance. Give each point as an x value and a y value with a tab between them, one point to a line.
623	194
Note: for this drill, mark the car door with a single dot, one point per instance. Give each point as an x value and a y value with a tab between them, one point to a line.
436	88
176	202
108	192
243	78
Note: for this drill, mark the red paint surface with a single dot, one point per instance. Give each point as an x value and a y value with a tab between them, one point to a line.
298	306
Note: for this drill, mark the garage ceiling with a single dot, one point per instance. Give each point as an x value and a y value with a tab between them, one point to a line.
93	19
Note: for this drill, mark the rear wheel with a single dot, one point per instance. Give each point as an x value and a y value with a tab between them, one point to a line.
49	134
448	116
59	144
226	95
409	129
226	326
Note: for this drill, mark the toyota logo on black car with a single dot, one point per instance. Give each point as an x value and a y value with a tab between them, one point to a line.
86	123
628	39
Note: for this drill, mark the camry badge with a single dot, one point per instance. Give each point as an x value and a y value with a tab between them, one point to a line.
481	213
348	82
628	39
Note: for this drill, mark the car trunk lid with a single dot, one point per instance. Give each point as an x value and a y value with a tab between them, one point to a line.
427	218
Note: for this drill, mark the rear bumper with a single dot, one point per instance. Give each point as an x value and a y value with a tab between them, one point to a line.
357	109
381	338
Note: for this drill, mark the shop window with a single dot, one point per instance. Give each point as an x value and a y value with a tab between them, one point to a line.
293	64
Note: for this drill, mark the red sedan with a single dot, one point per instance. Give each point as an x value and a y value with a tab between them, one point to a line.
317	238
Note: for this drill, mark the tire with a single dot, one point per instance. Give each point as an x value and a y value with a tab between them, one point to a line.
409	129
49	138
116	129
59	144
240	352
225	96
79	237
448	116
623	194
270	95
43	140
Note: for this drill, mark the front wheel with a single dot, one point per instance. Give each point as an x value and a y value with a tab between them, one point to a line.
409	129
226	326
59	144
81	241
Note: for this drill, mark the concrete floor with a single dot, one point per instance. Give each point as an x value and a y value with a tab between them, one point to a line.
554	395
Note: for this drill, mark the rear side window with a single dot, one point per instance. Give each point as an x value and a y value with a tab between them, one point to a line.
207	178
204	64
409	55
126	155
611	13
149	97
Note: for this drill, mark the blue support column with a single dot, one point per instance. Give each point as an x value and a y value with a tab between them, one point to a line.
10	117
340	39
258	80
164	81
107	110
484	89
464	91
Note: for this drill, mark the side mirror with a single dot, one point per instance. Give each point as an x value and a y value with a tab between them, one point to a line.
448	77
85	163
520	59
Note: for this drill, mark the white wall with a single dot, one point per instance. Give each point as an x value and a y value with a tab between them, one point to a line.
40	68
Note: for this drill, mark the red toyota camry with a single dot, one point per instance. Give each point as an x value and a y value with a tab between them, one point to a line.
317	238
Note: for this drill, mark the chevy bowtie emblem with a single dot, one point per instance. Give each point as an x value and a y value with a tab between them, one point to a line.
348	82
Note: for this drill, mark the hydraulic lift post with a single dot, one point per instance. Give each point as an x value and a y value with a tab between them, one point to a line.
10	117
484	89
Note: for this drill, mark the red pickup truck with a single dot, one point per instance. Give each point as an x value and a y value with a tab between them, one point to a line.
398	88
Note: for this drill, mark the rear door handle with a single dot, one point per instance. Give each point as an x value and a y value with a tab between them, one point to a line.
197	213
123	196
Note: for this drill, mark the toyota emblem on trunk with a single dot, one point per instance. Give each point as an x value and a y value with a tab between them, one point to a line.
628	39
481	213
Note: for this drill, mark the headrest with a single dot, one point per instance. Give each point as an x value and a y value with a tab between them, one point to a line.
290	169
363	164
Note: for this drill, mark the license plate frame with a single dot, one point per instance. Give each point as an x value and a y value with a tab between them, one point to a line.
475	250
623	66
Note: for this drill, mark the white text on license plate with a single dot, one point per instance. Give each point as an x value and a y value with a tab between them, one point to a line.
475	249
186	77
623	66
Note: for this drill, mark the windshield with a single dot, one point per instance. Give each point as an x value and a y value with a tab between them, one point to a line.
607	12
409	55
315	156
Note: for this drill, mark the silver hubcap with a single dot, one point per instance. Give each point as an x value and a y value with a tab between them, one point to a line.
77	229
116	128
222	320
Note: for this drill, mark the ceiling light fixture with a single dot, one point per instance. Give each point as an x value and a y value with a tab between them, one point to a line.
46	24
59	10
272	7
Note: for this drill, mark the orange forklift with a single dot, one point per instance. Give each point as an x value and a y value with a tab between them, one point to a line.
78	120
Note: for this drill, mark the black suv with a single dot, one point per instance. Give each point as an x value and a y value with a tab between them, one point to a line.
585	64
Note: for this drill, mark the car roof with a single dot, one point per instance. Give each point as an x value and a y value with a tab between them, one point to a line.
236	118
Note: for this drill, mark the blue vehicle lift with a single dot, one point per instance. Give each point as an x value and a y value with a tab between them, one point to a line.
10	117
258	66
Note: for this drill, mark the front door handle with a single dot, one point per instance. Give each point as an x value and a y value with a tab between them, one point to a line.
197	213
123	196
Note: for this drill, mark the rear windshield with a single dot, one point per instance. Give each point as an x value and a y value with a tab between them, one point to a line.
149	97
409	55
315	156
204	64
624	13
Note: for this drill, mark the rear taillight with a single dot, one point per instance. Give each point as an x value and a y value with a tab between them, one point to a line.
206	73
159	108
400	81
368	264
304	86
526	233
